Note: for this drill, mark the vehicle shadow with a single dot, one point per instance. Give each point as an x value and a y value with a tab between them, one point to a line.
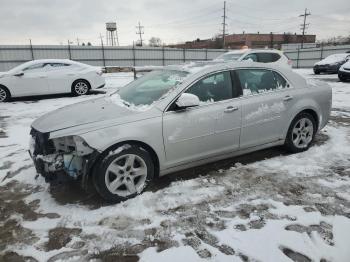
71	192
34	99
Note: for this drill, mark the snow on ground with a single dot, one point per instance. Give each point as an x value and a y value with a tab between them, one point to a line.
265	206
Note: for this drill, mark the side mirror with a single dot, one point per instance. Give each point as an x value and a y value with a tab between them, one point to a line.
187	100
21	73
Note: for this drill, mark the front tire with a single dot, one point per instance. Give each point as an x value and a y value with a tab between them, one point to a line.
4	94
301	133
122	175
80	87
341	78
317	72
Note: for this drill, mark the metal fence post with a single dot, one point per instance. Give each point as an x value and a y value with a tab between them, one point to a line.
133	54
31	49
321	51
103	52
206	54
184	54
163	56
69	51
298	57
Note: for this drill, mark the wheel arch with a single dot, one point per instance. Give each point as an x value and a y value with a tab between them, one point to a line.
309	110
313	113
141	144
81	79
6	89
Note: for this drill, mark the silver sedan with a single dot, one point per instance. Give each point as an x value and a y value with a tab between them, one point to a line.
177	118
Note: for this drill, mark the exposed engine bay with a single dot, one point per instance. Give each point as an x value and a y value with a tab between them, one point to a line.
70	154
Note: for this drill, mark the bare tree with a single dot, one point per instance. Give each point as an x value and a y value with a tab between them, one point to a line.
155	41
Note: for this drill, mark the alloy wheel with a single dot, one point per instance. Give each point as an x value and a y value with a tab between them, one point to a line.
81	88
303	132
3	95
126	175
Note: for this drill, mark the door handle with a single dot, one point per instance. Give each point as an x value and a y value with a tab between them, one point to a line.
231	109
287	98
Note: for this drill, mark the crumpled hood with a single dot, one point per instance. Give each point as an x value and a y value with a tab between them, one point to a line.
92	112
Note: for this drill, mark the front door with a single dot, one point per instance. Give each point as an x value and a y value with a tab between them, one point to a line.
206	130
33	81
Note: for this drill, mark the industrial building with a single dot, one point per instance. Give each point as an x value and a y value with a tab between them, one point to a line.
251	40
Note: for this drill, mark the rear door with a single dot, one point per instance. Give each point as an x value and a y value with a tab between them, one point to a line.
206	130
60	77
265	103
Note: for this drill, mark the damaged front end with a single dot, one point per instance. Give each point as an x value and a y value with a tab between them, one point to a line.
70	154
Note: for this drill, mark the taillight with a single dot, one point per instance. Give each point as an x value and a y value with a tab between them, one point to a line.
290	62
99	72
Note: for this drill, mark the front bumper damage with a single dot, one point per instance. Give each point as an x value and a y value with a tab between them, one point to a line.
70	155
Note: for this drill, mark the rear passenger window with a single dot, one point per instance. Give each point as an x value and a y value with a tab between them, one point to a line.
280	81
265	57
256	81
58	64
275	57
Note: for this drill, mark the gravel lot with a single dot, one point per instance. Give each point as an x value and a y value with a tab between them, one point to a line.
265	206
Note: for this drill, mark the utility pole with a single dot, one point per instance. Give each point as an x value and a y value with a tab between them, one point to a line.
224	26
103	51
116	34
304	25
140	32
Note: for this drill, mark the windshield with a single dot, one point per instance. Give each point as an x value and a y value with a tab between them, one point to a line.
336	58
151	87
229	57
20	67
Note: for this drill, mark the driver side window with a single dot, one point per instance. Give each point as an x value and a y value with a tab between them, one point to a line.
216	87
251	56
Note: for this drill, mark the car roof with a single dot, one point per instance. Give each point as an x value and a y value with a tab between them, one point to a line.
54	61
242	51
209	66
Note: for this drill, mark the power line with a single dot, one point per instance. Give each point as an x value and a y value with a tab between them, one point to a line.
304	25
193	18
140	32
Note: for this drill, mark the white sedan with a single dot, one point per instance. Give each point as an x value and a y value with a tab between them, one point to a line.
272	56
49	76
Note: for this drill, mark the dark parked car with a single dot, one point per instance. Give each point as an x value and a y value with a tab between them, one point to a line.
331	64
344	72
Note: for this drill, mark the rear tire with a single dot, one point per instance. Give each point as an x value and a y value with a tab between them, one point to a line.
120	176
5	95
301	133
80	87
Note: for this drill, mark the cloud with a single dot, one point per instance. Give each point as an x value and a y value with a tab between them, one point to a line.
56	21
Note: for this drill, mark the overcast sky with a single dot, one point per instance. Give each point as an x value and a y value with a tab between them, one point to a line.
56	21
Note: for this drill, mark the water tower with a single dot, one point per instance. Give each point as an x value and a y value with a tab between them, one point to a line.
112	34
